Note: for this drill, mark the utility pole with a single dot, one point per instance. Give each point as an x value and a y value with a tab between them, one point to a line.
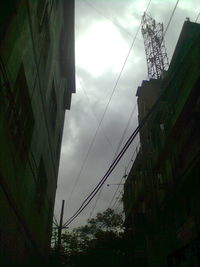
60	227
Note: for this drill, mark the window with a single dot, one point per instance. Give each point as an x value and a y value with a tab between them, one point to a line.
20	116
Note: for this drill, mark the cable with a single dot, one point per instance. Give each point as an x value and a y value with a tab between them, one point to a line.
135	151
197	17
104	113
55	213
106	17
55	222
117	150
135	132
95	115
113	165
102	181
97	188
168	24
118	199
170	19
106	139
115	88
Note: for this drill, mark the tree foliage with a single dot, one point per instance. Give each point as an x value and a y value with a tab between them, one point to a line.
103	229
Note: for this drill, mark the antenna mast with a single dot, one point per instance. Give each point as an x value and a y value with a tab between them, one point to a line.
156	55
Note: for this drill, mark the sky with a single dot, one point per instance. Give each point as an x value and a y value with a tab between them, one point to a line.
103	110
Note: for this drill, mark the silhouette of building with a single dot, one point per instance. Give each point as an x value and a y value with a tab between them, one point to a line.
161	194
37	68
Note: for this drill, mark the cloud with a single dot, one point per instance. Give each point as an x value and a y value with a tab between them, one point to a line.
104	33
100	48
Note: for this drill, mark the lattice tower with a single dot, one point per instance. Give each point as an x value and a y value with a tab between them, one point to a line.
156	55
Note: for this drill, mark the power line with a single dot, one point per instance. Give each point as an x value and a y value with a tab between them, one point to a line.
58	210
113	165
114	88
106	139
197	17
104	113
56	221
102	181
170	19
135	151
106	17
122	138
94	113
118	199
88	152
168	24
117	150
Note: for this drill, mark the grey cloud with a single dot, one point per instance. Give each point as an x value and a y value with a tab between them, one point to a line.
81	123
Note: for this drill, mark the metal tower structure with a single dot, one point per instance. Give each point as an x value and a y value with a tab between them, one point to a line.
157	61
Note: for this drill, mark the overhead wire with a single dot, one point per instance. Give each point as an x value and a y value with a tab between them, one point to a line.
97	188
124	133
94	113
168	24
117	200
117	150
102	181
55	213
88	151
104	113
89	198
135	151
114	88
167	27
106	139
107	17
197	17
55	220
171	16
129	141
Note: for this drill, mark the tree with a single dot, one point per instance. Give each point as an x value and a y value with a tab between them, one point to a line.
107	221
102	234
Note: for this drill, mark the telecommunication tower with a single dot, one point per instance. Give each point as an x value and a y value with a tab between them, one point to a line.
157	61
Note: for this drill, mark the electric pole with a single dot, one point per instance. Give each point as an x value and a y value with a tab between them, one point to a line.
60	227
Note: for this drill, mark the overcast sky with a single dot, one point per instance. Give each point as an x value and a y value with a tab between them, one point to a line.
105	30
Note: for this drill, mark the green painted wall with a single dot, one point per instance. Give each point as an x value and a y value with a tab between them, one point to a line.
30	50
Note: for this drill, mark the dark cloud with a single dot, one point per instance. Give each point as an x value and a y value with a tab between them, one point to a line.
93	93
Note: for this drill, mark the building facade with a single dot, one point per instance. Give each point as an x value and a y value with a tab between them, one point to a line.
37	80
161	194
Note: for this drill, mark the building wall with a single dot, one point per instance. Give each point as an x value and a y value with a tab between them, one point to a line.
36	89
161	198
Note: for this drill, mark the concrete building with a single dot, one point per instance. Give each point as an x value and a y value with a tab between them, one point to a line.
37	80
161	194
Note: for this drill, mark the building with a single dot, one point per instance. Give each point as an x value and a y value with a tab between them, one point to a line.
161	194
37	80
